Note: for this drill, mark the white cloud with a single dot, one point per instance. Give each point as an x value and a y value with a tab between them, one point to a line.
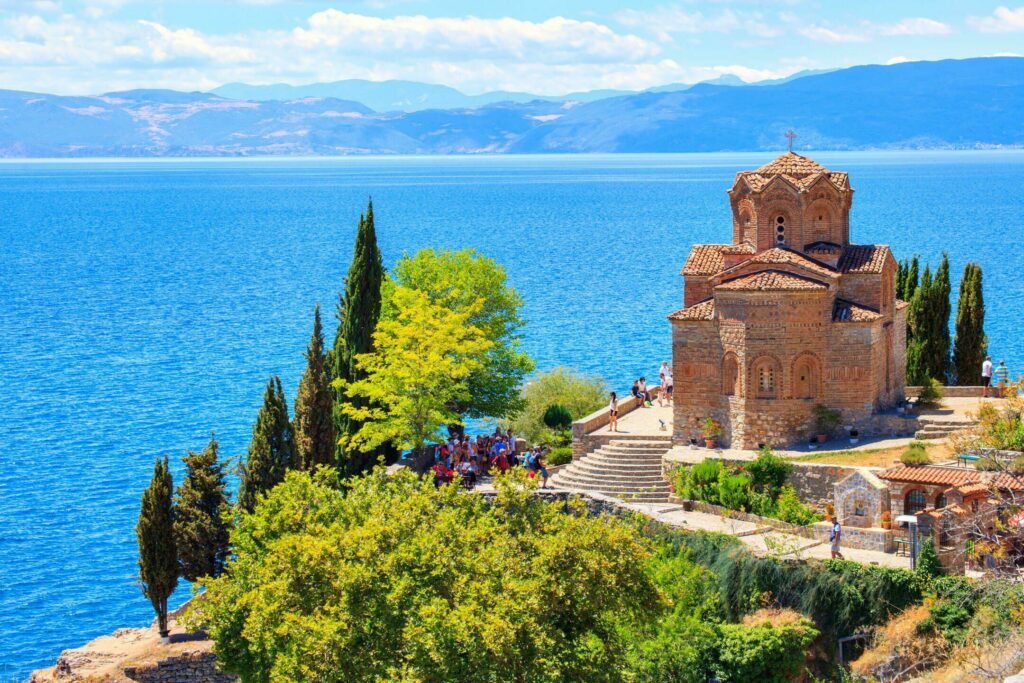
866	31
663	22
896	60
824	34
915	26
1002	20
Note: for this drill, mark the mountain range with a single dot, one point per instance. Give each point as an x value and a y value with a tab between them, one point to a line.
971	103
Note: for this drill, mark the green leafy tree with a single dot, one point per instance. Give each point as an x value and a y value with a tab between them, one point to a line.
396	580
358	313
315	440
579	394
158	555
459	281
202	515
272	449
766	652
419	370
970	344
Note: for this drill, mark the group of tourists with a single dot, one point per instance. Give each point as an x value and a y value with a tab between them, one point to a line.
485	455
641	393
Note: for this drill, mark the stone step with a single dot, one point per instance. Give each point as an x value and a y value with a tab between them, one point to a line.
634	498
633	451
604	466
627	457
619	491
596	482
930	436
642	442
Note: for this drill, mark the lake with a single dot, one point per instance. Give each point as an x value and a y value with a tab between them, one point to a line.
143	305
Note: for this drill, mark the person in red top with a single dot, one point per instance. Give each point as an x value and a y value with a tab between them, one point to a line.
500	461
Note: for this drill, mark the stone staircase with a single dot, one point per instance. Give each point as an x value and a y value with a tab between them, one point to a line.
627	469
940	427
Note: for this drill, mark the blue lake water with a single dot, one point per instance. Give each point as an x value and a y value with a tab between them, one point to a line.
144	304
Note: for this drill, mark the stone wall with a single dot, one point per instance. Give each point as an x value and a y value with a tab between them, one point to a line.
187	667
814	482
881	540
949	392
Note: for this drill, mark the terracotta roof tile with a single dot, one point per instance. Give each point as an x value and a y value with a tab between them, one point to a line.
863	258
705	259
772	280
779	255
705	310
901	304
931	474
849	312
741	248
823	247
798	170
972	489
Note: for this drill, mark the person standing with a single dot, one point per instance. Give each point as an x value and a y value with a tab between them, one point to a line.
836	537
986	376
1002	377
613	413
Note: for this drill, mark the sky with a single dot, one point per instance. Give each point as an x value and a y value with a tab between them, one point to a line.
547	47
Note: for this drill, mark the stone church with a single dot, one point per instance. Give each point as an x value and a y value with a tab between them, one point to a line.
788	315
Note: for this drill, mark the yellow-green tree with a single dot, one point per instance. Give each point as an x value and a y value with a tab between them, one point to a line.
417	373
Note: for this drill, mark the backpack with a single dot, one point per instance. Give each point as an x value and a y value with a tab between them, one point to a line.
531	460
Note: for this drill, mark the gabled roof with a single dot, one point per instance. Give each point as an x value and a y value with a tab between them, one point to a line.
705	259
772	280
741	248
777	255
940	475
848	312
798	170
863	258
705	310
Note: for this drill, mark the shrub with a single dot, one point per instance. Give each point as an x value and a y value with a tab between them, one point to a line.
792	510
711	428
734	491
768	472
579	394
764	652
927	560
915	454
988	463
557	417
1017	466
825	419
702	481
559	456
763	504
931	392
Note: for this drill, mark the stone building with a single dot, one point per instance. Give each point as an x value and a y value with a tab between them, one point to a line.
788	315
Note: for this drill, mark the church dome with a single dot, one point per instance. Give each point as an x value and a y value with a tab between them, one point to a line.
796	169
793	165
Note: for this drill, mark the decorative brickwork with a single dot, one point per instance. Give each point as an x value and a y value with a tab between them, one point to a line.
790	315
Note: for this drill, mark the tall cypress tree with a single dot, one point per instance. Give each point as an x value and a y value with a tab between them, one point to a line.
910	283
918	326
901	277
158	555
271	451
938	362
315	441
970	344
358	313
201	525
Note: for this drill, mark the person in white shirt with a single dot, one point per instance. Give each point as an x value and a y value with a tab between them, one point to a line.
665	373
986	376
613	413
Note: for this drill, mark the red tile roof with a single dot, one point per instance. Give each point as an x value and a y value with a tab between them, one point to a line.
952	476
705	259
798	170
777	255
705	310
772	280
822	248
863	258
741	248
847	311
967	490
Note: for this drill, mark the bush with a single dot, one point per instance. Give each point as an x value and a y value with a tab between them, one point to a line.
559	456
764	652
768	472
931	392
579	394
557	417
792	510
734	491
915	454
701	481
927	560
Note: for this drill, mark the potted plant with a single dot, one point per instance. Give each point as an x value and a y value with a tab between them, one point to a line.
812	443
830	512
886	520
826	420
854	436
712	429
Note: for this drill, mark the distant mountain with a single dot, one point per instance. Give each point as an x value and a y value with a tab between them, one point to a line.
388	96
966	104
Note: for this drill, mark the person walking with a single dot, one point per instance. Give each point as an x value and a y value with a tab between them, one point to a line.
836	537
613	413
986	376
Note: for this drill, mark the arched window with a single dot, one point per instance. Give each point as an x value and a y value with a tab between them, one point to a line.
766	378
780	229
805	378
940	501
915	502
730	375
945	533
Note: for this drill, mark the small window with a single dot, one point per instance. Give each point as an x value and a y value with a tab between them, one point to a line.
940	501
915	502
780	229
766	381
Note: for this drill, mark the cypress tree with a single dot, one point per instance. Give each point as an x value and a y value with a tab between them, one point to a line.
901	277
918	326
358	313
315	441
910	283
271	451
970	344
201	524
158	556
938	363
